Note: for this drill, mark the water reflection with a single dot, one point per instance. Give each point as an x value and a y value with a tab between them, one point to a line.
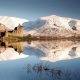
45	50
10	51
40	60
72	52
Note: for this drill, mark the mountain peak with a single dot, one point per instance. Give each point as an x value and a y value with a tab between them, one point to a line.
55	16
53	26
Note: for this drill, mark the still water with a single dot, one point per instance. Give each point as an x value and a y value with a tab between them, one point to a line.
40	60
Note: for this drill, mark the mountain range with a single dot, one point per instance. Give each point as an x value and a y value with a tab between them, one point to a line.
53	25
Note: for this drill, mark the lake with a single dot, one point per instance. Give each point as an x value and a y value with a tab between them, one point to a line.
40	60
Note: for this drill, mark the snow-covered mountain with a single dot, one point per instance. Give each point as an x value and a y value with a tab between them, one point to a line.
53	26
11	22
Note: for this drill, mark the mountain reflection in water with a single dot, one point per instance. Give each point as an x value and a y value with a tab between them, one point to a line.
40	60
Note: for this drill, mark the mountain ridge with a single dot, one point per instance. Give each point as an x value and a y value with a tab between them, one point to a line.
53	26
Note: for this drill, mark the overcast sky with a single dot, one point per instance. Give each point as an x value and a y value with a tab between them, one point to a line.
33	9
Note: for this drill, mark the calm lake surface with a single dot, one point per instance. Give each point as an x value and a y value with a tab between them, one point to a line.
40	60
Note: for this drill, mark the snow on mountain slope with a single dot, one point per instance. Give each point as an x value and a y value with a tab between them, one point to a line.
53	26
11	22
